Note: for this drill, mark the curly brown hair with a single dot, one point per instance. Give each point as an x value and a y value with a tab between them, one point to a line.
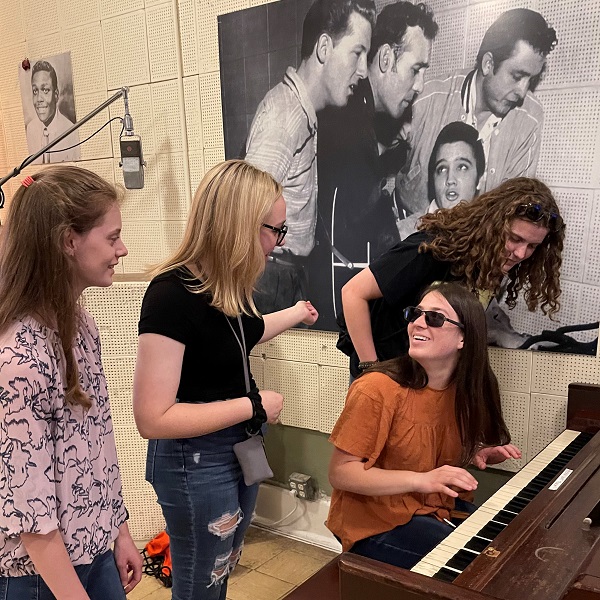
473	236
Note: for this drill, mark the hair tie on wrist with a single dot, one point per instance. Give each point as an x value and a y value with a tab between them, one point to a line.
259	415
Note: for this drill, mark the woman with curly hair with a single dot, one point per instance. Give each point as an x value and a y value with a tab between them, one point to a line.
513	231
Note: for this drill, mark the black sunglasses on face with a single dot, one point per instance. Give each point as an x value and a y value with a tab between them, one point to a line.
280	231
534	212
432	317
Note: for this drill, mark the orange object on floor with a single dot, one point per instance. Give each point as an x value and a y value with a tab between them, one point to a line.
157	558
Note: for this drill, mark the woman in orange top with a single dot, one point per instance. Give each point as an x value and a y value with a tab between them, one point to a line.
410	426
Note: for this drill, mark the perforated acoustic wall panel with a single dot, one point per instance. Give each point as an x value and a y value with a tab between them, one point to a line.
549	413
189	44
126	36
48	45
117	310
173	195
99	146
333	387
85	45
193	113
579	38
166	118
515	409
568	129
10	56
72	13
112	8
32	26
328	353
141	204
513	369
448	49
552	373
144	242
161	42
299	384
12	29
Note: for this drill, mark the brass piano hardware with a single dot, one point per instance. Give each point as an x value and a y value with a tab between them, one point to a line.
491	552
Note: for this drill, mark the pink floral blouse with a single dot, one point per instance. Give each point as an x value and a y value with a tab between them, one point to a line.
58	462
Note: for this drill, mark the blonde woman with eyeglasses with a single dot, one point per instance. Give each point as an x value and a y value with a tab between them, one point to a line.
194	397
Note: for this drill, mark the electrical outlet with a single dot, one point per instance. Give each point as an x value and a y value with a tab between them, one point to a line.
304	485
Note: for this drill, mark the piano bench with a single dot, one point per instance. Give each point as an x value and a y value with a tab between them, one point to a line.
323	585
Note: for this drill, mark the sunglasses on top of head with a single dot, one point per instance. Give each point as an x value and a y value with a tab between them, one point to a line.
433	318
280	231
535	213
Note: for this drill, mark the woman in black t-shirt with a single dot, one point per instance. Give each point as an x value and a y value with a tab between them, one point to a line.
194	396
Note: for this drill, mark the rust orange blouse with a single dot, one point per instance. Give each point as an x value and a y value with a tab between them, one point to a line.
393	427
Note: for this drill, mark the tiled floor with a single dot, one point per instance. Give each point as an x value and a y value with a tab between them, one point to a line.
271	566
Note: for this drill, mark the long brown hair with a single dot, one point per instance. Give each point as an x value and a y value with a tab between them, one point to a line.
473	235
36	275
477	406
222	236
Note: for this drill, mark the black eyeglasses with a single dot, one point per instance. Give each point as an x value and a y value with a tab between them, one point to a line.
433	318
280	231
534	212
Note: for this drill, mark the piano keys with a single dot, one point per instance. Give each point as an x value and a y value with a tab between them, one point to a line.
537	538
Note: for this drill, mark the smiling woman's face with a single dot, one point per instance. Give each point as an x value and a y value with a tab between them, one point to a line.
455	174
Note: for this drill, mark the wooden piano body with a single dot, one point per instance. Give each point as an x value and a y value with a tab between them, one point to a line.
550	550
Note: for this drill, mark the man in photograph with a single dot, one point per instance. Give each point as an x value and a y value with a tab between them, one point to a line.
50	122
361	150
336	37
496	98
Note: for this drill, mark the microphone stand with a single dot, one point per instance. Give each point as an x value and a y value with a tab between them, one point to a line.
123	92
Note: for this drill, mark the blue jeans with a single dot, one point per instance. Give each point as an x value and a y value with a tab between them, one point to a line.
207	508
100	579
405	545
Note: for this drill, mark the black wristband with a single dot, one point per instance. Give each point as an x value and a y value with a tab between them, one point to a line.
259	415
366	364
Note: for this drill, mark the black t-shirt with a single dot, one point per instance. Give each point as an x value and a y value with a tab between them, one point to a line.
402	273
212	366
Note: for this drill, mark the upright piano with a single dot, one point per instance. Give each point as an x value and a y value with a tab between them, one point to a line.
537	538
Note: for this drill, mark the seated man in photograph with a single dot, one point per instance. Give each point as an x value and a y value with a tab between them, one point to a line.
496	98
50	122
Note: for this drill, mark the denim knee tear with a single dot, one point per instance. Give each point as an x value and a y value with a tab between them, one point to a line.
235	557
220	570
226	525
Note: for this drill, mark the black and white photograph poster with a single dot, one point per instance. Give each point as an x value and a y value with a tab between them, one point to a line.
48	103
386	155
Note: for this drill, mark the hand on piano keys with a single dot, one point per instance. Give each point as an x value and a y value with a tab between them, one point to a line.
439	481
494	455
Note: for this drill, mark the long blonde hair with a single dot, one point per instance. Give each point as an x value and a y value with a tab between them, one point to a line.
222	236
36	275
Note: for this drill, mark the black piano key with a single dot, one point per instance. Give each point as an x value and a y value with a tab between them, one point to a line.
446	575
516	505
461	560
491	530
504	517
477	544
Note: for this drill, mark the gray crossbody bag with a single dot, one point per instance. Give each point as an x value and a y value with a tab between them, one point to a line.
251	452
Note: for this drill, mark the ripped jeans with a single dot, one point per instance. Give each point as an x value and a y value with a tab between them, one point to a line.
207	508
